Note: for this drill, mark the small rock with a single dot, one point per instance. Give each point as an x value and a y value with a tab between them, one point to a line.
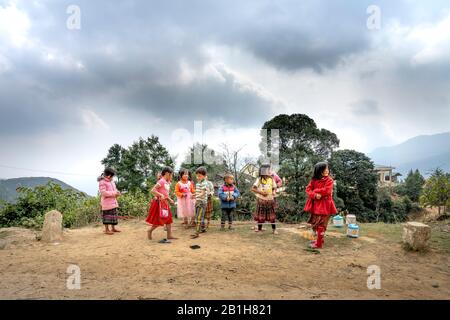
435	286
3	244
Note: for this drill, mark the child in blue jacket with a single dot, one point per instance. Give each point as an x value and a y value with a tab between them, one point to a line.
228	194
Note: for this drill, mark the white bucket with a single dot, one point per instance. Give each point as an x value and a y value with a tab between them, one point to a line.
350	219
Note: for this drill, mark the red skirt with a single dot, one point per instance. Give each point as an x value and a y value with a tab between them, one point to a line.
154	213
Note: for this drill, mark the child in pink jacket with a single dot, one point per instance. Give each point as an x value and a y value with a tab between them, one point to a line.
109	194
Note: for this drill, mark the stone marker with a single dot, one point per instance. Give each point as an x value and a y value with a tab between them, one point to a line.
52	230
416	235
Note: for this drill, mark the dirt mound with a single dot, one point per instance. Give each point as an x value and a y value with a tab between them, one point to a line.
238	264
13	237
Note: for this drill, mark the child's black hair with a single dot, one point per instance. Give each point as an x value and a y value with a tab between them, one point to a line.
166	170
319	168
182	172
202	171
109	172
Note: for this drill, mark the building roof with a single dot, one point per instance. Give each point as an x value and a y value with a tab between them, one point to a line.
382	167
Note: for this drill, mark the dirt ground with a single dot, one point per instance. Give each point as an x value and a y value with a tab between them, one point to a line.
238	264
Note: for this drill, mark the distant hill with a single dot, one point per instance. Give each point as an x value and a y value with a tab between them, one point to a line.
8	186
422	152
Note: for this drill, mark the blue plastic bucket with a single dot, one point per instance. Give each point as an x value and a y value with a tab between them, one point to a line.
338	221
353	231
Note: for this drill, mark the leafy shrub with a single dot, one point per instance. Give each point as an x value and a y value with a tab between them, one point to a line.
76	207
134	204
290	212
87	212
391	210
33	203
217	211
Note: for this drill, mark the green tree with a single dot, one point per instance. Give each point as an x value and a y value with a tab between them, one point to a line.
301	144
436	191
413	184
138	166
390	210
203	156
412	187
356	181
114	159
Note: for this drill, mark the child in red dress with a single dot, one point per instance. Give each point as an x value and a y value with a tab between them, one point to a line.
159	213
320	202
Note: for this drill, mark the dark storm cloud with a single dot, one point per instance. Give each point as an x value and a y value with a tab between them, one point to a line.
203	99
132	54
311	34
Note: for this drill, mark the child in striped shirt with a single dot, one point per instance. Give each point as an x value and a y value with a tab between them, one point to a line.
201	201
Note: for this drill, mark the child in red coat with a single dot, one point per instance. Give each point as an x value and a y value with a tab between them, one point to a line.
320	202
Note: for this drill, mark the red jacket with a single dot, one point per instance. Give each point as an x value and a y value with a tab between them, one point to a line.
325	205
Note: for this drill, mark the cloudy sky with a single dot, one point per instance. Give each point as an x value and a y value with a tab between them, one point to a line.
136	68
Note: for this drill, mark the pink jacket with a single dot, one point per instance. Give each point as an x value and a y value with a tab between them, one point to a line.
277	179
108	194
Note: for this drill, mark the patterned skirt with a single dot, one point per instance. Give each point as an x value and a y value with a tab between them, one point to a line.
209	208
110	217
265	211
319	220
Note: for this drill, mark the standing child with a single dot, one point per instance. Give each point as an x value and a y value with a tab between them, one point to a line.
264	189
109	194
201	200
159	213
279	183
185	191
210	204
320	202
228	194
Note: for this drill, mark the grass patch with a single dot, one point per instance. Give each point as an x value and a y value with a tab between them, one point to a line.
440	240
386	231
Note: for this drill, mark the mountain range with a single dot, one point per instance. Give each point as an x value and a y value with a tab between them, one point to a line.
8	187
426	153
